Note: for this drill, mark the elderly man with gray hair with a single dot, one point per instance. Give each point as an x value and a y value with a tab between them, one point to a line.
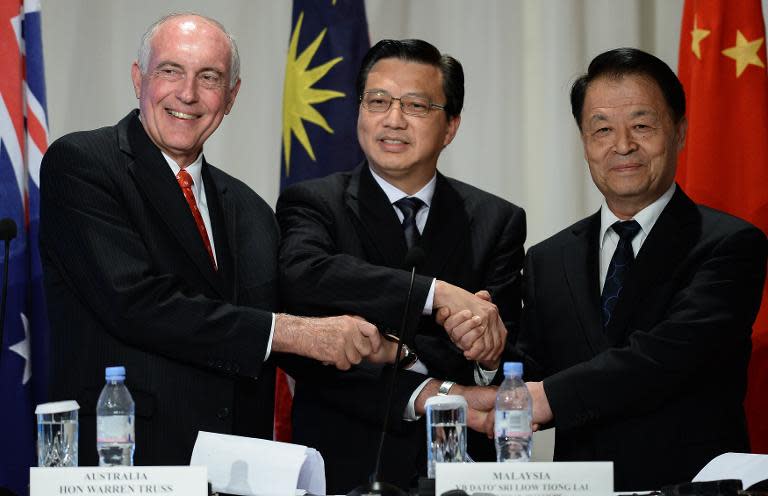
158	261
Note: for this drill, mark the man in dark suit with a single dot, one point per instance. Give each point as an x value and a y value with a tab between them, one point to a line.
345	239
639	316
173	277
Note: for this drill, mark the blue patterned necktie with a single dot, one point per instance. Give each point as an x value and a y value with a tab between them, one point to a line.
619	266
409	206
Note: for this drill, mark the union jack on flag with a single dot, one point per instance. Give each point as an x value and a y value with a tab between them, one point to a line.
23	140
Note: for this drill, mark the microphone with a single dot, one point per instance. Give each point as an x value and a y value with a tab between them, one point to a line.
7	233
7	229
413	258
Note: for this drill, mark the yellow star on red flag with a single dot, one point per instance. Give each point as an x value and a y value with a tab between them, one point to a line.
697	35
745	53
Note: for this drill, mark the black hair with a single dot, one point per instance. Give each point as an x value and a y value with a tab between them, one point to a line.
424	53
620	62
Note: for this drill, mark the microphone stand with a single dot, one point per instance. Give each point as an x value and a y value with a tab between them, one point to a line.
9	226
377	487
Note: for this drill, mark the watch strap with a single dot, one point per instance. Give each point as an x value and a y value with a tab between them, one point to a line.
445	388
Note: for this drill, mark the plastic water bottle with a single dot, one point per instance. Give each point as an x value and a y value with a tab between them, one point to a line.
513	416
114	421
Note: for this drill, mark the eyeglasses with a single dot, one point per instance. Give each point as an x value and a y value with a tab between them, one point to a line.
380	101
207	79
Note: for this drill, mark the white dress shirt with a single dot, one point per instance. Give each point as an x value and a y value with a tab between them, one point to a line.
425	194
482	377
646	217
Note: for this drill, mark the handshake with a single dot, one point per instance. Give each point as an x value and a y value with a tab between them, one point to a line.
481	403
471	321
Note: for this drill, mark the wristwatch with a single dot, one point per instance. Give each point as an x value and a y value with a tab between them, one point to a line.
444	388
408	357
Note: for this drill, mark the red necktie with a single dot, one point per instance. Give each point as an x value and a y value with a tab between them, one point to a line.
185	181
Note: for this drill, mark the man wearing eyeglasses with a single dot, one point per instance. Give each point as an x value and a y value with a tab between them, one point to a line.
345	240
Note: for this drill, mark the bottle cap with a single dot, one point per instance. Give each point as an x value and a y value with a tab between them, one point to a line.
115	373
513	368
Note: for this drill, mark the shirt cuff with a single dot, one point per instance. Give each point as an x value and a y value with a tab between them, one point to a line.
483	377
418	367
271	334
430	299
410	409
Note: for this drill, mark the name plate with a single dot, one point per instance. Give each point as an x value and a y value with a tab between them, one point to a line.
526	478
168	481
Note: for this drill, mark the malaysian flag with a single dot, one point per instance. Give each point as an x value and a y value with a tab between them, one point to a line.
327	46
23	140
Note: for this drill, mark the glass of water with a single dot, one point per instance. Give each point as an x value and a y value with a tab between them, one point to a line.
446	430
57	434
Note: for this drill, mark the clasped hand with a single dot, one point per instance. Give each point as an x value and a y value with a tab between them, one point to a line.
472	322
481	402
339	341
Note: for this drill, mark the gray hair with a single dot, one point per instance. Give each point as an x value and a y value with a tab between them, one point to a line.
145	48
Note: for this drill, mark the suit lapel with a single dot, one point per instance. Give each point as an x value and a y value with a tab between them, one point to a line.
155	179
376	216
447	228
580	263
223	215
670	240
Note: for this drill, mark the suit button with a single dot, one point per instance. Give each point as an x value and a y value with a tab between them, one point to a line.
223	413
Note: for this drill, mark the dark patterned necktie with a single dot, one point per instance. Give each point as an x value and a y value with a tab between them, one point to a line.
617	269
410	206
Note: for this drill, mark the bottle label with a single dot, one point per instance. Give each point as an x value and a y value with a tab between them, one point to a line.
114	429
512	423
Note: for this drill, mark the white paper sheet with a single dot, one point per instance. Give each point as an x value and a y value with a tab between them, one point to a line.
256	467
750	468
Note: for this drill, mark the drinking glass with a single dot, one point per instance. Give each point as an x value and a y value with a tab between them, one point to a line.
57	434
446	430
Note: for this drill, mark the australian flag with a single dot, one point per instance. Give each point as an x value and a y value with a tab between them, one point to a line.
328	41
23	140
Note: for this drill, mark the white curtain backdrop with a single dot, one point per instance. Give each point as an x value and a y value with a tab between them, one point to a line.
517	138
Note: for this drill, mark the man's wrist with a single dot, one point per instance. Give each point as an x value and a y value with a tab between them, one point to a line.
288	336
489	365
439	297
407	356
429	390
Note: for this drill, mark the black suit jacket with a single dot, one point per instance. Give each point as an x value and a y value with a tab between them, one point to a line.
128	282
660	391
343	251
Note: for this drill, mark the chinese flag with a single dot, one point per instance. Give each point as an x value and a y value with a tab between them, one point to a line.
725	161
